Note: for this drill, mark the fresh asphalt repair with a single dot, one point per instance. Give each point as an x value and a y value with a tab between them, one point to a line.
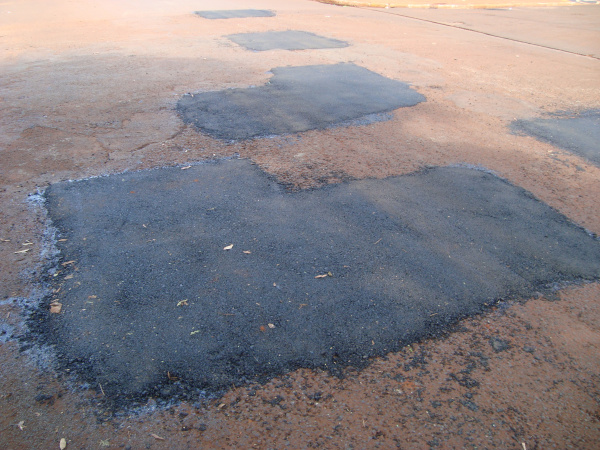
234	13
576	132
296	99
180	281
285	40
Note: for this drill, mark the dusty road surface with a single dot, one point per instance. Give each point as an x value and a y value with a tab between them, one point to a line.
93	91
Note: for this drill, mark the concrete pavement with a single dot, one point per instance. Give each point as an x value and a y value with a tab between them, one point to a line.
460	4
90	91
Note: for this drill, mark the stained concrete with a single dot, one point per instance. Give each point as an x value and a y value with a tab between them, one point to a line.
578	133
285	40
234	13
296	99
215	275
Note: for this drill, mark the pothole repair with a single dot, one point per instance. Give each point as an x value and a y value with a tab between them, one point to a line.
173	282
296	99
577	133
234	13
285	40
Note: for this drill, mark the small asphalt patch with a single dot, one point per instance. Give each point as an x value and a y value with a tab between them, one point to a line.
578	133
285	40
172	281
234	13
296	99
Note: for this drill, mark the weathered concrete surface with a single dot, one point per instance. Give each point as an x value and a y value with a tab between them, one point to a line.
90	88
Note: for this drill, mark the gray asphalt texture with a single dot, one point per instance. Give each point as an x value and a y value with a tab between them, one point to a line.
285	40
578	133
234	13
296	99
155	305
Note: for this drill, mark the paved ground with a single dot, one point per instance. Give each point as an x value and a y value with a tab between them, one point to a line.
578	133
182	272
297	99
458	4
92	89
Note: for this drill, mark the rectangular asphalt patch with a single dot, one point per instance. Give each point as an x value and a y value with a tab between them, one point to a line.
234	13
215	275
285	40
296	99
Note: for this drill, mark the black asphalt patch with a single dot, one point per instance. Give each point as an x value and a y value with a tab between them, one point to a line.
577	133
296	99
285	40
177	280
234	13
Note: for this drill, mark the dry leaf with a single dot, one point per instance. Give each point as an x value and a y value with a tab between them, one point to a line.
63	444
221	406
27	243
55	307
271	325
157	437
23	251
183	302
62	240
322	276
247	252
68	262
194	332
262	328
229	247
186	167
21	425
68	277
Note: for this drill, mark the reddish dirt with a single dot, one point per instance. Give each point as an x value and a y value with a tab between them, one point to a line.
89	88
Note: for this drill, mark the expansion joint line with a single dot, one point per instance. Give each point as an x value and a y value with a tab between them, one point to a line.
384	11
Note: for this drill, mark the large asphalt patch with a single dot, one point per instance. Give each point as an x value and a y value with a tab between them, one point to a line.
285	40
577	133
171	280
234	13
296	99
